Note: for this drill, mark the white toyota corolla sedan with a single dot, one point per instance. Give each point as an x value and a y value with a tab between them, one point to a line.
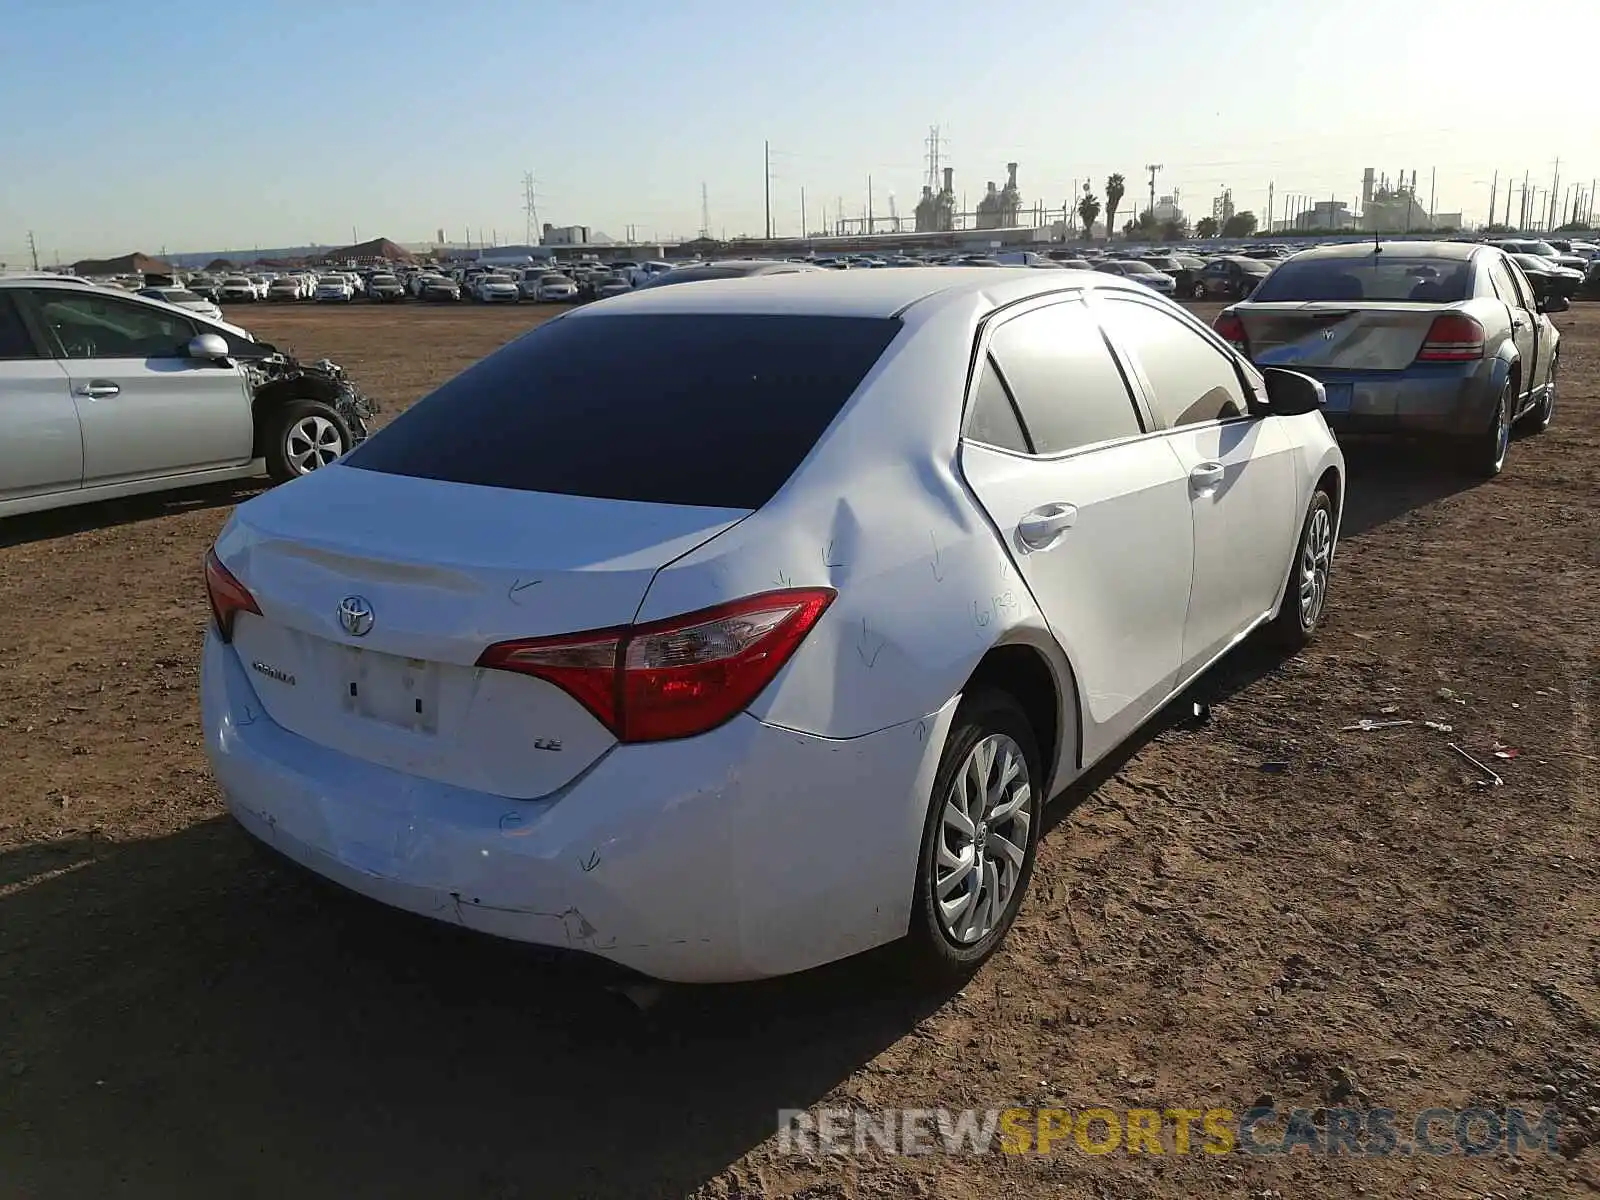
727	630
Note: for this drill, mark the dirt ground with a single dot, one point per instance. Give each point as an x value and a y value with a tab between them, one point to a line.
1363	925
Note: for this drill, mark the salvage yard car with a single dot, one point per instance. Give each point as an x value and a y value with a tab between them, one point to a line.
726	630
1447	339
108	395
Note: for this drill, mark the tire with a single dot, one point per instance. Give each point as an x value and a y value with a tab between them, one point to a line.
300	438
1305	596
1484	455
1197	290
946	946
1539	419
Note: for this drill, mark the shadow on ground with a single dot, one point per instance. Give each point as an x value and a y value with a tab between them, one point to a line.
186	1019
104	514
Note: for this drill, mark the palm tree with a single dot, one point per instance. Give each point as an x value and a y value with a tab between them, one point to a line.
1088	211
1115	187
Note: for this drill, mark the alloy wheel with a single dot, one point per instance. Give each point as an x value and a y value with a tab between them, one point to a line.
1316	557
311	442
983	839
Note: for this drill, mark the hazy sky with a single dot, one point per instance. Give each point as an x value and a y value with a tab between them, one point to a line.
208	125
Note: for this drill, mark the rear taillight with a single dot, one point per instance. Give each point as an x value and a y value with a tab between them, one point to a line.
1452	338
673	678
1231	329
228	596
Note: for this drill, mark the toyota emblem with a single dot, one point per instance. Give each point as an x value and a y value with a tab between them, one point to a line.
1327	335
355	615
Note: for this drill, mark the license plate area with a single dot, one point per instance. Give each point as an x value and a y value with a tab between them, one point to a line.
1340	397
403	692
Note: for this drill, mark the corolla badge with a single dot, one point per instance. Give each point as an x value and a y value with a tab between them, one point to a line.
355	616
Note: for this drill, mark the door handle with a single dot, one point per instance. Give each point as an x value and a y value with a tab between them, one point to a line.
1040	528
1206	478
99	389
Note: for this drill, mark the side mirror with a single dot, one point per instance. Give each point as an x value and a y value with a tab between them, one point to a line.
1550	304
208	347
1291	394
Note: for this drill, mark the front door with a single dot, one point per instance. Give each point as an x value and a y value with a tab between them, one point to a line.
145	408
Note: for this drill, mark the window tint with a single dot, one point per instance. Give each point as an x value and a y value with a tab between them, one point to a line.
1503	285
1520	282
1192	379
669	408
1381	277
14	339
993	420
94	326
1067	385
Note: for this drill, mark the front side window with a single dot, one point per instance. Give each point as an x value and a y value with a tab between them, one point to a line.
1193	380
1067	385
94	326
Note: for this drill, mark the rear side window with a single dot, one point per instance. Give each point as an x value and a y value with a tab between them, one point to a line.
1381	277
994	419
669	408
1193	380
14	339
1060	371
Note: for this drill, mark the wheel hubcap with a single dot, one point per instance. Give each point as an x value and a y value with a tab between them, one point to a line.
983	839
1502	430
1550	390
1316	555
312	442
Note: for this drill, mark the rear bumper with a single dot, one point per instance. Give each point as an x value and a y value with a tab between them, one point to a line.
1446	399
747	852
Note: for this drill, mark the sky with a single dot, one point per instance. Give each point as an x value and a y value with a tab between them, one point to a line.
189	126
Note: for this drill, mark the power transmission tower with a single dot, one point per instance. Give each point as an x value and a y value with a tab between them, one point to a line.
530	210
705	213
934	157
766	167
33	250
1153	168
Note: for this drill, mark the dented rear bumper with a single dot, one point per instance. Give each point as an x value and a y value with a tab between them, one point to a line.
746	852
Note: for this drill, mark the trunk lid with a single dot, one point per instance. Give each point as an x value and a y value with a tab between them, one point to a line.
442	570
1352	337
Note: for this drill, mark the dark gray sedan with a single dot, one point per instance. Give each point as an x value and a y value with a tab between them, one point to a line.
1447	339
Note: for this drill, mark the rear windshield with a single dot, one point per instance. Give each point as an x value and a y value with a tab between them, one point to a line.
1376	277
670	408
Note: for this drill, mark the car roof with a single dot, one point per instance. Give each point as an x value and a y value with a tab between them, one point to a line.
880	293
1459	251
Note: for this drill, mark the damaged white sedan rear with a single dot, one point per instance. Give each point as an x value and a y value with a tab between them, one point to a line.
728	630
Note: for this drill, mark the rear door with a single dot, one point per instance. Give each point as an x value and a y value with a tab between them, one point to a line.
145	408
41	450
1239	469
1094	513
1512	286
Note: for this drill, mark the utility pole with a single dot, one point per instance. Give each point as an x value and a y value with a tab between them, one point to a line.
353	238
1555	197
1523	223
1153	168
1270	187
1433	195
766	158
33	250
869	205
803	226
705	213
1494	195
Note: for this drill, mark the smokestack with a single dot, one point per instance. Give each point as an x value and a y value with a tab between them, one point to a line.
1366	186
1011	175
949	179
991	187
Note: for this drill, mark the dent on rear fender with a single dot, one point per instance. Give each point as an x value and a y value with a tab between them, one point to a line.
924	590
